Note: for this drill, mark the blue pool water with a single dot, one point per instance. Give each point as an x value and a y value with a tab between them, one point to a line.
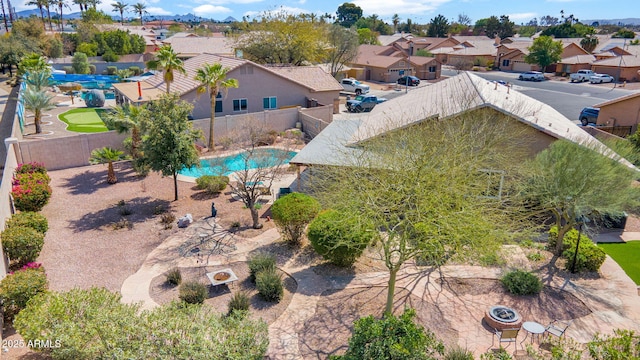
262	158
87	81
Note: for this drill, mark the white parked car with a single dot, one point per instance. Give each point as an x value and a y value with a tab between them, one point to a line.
601	78
531	76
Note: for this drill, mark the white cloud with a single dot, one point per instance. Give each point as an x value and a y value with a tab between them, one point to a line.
388	8
522	16
205	10
251	14
301	2
153	10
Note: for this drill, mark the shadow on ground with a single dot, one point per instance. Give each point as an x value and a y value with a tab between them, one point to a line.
140	209
90	181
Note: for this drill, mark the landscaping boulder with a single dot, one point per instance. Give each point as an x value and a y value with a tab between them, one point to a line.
95	98
185	221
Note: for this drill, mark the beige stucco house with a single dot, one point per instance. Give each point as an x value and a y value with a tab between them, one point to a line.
388	63
623	111
260	88
623	68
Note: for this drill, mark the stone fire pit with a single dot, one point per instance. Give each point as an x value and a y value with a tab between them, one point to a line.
501	317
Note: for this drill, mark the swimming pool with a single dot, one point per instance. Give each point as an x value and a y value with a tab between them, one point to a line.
87	81
225	165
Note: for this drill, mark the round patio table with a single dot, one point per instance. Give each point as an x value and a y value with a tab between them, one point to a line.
533	328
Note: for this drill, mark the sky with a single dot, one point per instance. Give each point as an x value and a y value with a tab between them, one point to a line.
419	11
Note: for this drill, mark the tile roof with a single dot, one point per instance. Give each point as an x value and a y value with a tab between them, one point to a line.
617	100
368	55
313	77
578	59
187	45
623	61
183	84
442	100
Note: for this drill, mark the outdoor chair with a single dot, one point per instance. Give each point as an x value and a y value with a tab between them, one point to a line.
557	327
507	335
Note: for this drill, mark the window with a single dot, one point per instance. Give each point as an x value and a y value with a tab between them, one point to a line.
269	103
239	104
219	103
401	64
432	69
495	183
505	62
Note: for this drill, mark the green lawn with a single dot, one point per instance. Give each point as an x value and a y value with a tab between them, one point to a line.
85	120
627	255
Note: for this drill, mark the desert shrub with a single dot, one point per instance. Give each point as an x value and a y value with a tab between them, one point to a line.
392	337
458	353
29	219
590	256
122	224
68	69
159	209
260	262
339	238
623	344
31	167
226	142
501	354
174	277
22	244
536	256
17	288
193	292
211	183
92	69
167	219
239	302
267	138
292	213
112	70
135	70
235	224
269	285
519	282
123	209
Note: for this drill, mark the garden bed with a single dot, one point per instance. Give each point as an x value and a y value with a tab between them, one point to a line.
219	296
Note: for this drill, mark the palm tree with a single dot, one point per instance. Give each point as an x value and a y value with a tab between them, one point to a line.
4	17
82	4
61	4
167	61
396	21
120	7
37	101
38	80
107	155
40	5
141	9
127	119
47	4
93	3
213	78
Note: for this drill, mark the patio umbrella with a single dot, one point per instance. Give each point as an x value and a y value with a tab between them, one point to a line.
70	87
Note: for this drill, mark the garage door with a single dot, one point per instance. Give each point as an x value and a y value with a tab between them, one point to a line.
521	66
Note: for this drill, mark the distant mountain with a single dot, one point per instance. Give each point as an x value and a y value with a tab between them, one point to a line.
77	15
627	21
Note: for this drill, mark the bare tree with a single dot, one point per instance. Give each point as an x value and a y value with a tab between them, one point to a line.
261	165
